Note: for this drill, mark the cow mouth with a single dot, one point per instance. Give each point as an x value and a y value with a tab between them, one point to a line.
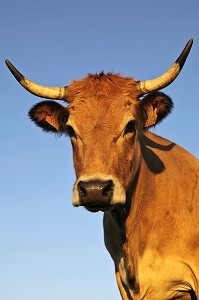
99	208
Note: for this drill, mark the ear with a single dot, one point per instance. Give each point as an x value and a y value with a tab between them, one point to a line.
50	116
153	108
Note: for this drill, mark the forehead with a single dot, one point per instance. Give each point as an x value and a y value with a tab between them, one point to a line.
102	98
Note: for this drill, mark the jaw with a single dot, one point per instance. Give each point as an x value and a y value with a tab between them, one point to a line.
118	194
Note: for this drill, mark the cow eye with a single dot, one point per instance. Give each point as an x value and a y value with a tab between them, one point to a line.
130	127
70	131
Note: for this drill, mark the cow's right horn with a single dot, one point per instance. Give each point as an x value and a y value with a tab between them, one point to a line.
58	93
170	75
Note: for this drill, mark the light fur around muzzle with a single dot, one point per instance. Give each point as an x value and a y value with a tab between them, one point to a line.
119	193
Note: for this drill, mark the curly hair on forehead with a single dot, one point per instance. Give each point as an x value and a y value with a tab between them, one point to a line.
99	84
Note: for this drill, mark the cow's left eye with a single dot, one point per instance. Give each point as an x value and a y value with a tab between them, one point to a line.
130	127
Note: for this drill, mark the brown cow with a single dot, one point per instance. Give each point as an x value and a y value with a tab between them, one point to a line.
146	186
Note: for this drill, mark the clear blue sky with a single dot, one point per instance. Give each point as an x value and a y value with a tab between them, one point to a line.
48	249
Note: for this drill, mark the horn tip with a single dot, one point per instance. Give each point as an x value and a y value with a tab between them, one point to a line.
7	62
14	71
183	56
9	65
189	43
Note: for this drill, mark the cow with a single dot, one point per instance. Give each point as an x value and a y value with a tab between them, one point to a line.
146	185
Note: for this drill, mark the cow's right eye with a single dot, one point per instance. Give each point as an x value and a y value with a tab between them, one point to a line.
130	127
71	131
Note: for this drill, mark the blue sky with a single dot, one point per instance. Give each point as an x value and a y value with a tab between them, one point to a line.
48	249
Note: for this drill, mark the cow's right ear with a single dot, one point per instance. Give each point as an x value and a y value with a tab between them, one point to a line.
50	116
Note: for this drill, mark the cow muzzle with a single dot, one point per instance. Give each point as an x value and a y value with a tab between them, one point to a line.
98	194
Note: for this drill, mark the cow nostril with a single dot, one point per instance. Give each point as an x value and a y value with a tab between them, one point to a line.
108	189
82	190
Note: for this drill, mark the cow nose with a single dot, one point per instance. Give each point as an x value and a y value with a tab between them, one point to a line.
95	192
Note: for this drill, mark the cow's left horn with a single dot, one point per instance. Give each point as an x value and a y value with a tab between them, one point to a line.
168	77
58	93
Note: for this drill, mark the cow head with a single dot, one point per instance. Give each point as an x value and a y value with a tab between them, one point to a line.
104	120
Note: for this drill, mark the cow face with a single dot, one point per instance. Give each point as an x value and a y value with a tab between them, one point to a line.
104	121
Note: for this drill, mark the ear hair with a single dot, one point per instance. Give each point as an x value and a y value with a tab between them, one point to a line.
153	108
50	116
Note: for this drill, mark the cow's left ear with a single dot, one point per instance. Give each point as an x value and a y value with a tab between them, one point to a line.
153	108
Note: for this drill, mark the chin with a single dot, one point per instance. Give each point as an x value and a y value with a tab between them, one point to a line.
97	208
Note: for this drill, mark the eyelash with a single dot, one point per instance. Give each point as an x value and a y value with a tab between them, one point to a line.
70	131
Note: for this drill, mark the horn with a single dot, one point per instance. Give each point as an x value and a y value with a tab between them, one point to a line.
168	77
58	93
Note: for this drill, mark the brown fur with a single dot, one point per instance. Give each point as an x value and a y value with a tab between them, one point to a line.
152	226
